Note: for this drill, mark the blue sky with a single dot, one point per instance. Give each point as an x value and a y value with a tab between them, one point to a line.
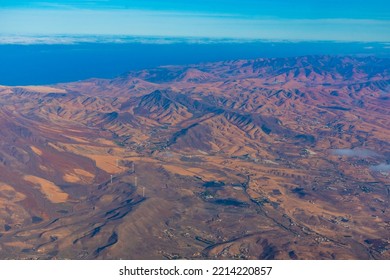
335	20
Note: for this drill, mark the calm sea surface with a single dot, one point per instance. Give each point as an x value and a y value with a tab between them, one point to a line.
49	64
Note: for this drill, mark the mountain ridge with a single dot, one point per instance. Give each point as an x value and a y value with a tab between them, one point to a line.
221	160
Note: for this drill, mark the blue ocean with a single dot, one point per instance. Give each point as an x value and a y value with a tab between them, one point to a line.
50	64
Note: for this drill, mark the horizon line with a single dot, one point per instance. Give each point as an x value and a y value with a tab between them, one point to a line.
70	39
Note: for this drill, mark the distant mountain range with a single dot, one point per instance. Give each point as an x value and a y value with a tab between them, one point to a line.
272	158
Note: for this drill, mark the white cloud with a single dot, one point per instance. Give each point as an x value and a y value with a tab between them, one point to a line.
75	39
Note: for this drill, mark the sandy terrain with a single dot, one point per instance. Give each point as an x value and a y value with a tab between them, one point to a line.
48	188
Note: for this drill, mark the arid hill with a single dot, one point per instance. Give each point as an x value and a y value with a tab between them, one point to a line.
285	158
